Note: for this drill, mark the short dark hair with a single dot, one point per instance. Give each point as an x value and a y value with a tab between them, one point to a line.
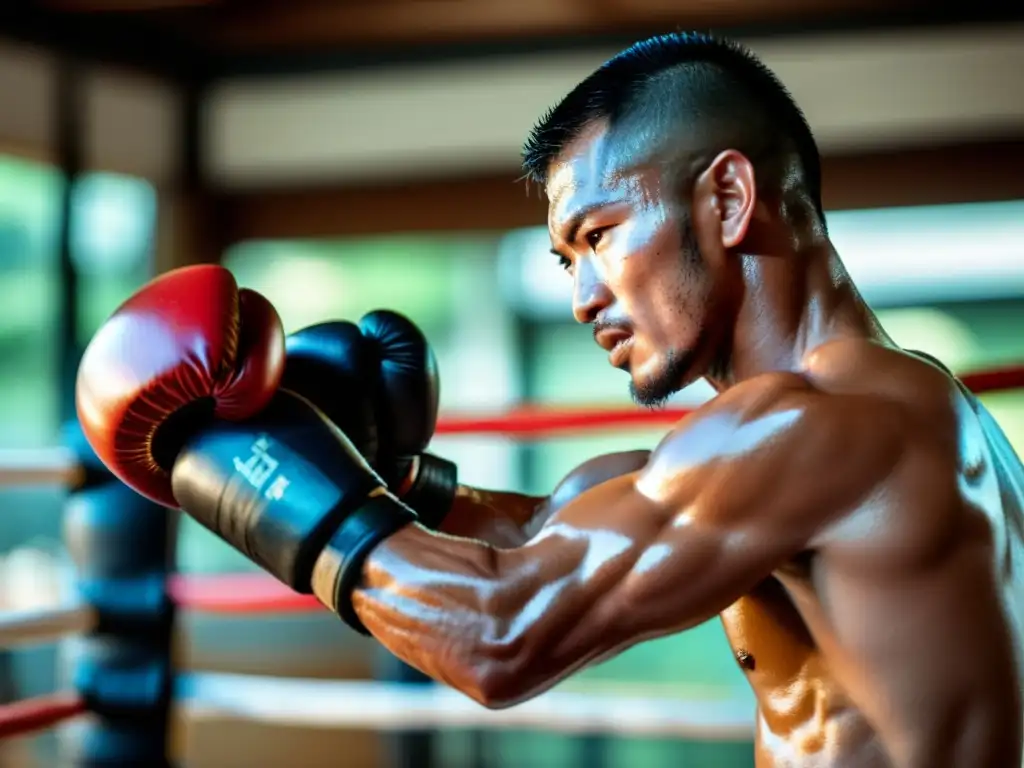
712	81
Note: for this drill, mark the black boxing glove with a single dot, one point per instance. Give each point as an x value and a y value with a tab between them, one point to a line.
332	366
284	486
406	404
381	390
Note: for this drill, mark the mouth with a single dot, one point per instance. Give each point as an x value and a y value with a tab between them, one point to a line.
618	344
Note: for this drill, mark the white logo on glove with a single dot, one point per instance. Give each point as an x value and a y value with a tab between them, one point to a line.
258	469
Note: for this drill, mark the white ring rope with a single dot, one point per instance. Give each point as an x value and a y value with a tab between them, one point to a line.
39	466
40	625
395	706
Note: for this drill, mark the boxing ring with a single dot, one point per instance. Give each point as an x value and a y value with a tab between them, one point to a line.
123	689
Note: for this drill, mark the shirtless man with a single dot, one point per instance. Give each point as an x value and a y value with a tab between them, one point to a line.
852	514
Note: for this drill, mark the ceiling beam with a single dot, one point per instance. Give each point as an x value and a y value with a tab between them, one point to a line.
199	39
983	172
120	40
122	6
313	24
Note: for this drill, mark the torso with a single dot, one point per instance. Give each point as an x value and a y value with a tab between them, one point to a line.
814	641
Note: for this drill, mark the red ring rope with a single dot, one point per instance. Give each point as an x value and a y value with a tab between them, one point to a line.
237	593
994	379
537	421
250	593
20	718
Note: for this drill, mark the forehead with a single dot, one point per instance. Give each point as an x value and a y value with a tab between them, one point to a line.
581	171
596	166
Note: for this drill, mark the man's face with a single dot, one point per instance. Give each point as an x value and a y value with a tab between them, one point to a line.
623	230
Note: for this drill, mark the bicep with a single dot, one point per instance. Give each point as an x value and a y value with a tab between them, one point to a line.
695	571
633	571
659	572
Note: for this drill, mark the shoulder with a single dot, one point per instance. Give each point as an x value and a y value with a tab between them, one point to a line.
785	448
859	367
776	409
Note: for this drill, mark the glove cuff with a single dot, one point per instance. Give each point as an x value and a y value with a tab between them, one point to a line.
431	489
339	568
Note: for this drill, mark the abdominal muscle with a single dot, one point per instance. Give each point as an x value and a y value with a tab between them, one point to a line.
804	718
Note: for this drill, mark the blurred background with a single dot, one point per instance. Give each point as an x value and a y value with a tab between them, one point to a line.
342	156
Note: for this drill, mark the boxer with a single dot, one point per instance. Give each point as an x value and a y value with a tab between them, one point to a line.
852	514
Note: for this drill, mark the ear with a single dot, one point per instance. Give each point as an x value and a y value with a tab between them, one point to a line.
728	184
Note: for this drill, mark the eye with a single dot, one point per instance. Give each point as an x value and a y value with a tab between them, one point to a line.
564	263
594	236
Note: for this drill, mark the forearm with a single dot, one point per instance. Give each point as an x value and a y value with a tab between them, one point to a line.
500	625
436	602
502	519
497	625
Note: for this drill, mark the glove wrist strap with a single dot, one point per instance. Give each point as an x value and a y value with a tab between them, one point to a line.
431	489
339	568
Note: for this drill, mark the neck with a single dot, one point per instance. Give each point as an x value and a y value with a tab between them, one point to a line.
793	303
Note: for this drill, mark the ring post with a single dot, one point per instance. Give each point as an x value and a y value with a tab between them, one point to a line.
122	547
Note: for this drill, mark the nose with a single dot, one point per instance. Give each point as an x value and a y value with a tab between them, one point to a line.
590	293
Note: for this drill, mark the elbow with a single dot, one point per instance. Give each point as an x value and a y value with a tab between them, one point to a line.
496	686
510	660
504	674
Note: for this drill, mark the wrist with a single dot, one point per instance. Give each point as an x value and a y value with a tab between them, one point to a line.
338	569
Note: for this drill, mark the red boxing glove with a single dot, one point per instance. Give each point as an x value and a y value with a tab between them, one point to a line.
189	346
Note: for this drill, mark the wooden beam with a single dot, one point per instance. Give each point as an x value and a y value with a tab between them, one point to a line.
121	40
419	22
123	6
189	227
487	203
955	174
966	173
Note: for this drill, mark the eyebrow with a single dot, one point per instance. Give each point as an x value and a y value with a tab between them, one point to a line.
576	221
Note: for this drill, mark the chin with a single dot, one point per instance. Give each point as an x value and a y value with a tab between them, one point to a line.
646	397
653	388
